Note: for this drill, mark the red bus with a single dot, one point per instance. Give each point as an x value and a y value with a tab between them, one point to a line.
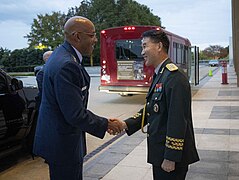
122	66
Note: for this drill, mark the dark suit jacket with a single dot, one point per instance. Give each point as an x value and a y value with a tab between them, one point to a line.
168	118
63	115
39	78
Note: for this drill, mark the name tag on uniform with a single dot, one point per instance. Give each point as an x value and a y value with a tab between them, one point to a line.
84	88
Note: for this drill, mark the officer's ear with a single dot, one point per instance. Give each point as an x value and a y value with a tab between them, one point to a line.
160	45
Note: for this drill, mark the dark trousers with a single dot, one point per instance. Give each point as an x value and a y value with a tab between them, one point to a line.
64	172
178	174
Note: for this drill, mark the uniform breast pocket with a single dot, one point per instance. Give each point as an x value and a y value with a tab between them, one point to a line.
156	101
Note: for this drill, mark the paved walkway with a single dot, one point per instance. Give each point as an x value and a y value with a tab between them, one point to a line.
216	123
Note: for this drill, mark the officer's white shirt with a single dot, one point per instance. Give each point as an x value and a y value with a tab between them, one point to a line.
156	70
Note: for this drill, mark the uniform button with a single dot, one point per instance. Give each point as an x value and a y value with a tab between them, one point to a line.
147	135
148	114
147	103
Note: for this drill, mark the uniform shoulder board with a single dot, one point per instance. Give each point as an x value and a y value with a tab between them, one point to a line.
171	67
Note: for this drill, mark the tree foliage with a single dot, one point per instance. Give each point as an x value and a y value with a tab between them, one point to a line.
4	56
214	52
47	29
21	59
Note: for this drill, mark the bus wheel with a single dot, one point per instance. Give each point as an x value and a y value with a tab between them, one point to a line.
125	94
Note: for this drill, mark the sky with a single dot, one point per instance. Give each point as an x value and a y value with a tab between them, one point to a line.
203	22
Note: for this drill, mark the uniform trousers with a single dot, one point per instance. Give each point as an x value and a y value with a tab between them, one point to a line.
178	174
64	172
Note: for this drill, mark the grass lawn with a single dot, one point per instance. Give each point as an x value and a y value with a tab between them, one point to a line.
21	73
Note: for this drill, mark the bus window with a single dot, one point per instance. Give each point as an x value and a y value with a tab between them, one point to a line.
179	54
175	52
185	53
128	50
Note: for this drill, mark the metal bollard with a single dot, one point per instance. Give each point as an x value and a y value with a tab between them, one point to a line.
224	72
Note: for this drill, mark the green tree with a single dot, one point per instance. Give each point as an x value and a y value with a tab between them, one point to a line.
21	59
47	29
215	52
202	56
82	10
120	13
4	56
34	56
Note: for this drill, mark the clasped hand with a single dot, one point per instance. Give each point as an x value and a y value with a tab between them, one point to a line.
116	126
168	166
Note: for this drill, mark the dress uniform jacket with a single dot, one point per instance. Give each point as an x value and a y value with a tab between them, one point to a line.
63	115
168	118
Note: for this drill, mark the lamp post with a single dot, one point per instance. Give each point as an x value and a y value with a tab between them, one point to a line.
40	46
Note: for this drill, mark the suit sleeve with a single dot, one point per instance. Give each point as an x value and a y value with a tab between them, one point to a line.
39	79
178	97
70	97
134	122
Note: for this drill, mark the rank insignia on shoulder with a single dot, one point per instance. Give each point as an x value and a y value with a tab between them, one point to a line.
171	67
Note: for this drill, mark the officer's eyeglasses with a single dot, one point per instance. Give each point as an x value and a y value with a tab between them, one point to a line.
91	35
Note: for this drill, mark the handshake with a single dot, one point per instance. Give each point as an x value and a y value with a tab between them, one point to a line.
116	126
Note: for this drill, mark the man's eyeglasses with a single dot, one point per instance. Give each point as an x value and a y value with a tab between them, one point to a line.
91	35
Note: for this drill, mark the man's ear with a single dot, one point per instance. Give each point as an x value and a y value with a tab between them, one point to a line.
77	38
160	45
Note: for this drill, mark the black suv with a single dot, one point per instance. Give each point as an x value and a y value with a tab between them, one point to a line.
17	115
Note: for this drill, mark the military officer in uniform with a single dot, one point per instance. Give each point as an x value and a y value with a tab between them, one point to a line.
167	113
63	117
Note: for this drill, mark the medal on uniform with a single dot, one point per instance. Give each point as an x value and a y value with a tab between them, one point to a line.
156	107
158	87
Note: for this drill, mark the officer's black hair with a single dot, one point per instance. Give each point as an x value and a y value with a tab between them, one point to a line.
158	36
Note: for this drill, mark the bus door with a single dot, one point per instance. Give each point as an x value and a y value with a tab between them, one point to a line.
193	65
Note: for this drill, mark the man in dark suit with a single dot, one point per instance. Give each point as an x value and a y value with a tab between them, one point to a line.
63	115
167	113
39	78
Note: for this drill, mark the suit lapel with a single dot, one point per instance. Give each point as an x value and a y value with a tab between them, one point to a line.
86	75
158	77
70	49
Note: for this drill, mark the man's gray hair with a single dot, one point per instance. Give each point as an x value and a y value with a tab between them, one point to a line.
46	55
